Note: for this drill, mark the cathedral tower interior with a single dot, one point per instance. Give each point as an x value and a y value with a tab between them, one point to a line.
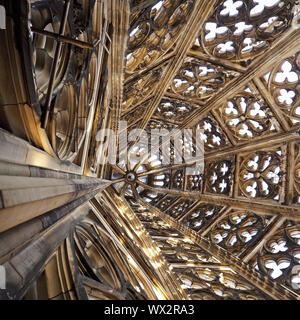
87	212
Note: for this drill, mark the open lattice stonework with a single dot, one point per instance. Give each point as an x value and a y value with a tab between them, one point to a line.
76	227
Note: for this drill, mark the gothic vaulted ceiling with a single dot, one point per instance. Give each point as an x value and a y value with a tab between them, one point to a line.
231	69
226	68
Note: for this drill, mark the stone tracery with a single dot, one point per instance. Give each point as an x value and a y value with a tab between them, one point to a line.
228	232
241	30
